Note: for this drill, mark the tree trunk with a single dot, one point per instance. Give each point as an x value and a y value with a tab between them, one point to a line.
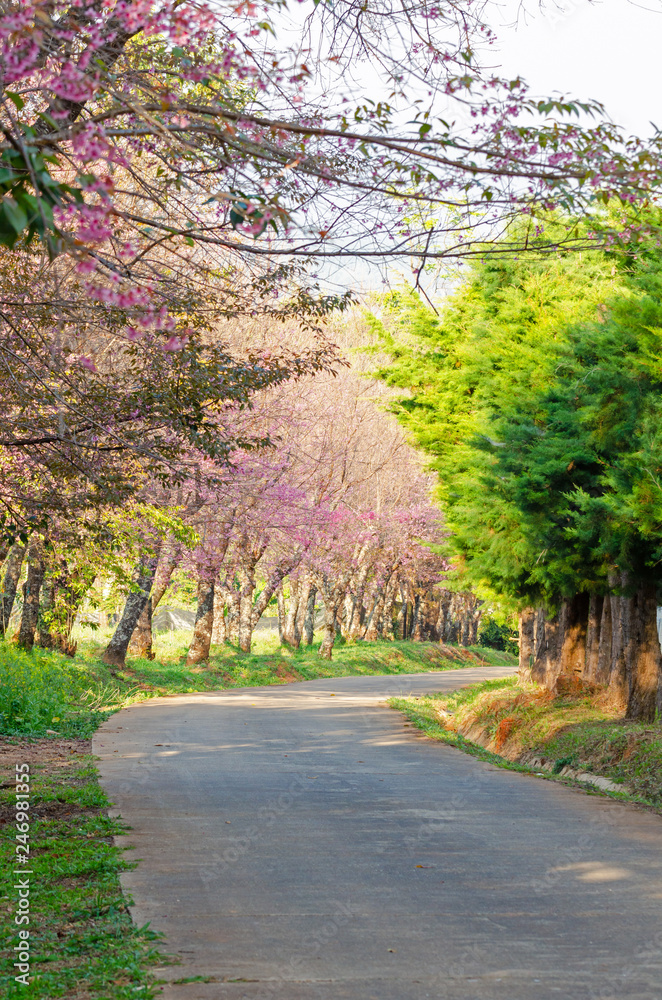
603	665
233	602
282	614
444	614
291	633
44	619
621	629
309	619
333	597
545	666
595	606
246	591
643	662
572	657
142	638
414	630
115	652
219	632
10	583
328	641
357	617
387	612
29	618
370	633
527	620
273	583
204	621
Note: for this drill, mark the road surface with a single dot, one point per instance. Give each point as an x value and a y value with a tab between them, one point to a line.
302	842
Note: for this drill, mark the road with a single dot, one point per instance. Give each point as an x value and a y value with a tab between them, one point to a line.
301	842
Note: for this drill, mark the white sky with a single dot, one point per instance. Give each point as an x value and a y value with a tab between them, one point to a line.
609	50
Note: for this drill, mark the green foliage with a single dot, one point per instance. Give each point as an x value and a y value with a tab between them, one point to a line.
37	689
536	395
496	635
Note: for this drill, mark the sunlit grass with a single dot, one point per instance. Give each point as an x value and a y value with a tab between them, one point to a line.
516	724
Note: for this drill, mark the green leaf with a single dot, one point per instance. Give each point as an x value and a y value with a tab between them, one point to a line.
15	216
15	99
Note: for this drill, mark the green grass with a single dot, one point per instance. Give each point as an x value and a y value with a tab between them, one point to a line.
83	944
520	723
44	693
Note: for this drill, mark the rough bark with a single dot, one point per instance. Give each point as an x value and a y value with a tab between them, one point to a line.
527	622
386	629
603	664
544	670
643	661
332	596
291	633
142	638
414	628
309	619
444	614
204	620
621	631
219	632
44	622
10	583
282	613
246	591
357	613
329	637
573	629
595	606
370	631
30	615
115	652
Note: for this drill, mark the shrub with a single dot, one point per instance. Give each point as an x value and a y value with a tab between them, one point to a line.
37	689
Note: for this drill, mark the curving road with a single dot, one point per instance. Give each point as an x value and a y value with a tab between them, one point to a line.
301	843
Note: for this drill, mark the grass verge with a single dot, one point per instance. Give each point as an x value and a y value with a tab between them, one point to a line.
83	945
525	727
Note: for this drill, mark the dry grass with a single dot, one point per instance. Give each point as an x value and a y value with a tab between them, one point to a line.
521	723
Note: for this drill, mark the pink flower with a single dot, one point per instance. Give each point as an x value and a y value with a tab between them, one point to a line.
175	343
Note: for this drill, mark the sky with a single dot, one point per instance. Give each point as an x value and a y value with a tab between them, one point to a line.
606	50
609	50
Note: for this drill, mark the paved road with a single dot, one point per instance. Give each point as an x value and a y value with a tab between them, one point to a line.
301	843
